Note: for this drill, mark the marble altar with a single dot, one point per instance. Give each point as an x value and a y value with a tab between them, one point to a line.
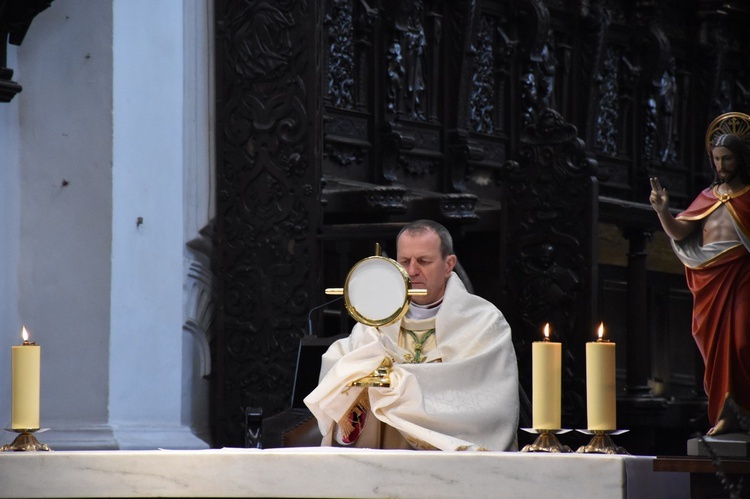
333	472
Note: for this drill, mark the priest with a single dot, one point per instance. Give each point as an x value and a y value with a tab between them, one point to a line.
451	362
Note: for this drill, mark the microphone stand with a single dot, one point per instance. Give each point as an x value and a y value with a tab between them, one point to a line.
309	315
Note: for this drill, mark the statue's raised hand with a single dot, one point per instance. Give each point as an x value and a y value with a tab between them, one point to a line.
659	198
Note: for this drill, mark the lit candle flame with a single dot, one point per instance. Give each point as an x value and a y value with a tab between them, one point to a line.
546	331
601	330
24	334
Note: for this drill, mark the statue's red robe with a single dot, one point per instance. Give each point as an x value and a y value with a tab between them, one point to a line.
721	305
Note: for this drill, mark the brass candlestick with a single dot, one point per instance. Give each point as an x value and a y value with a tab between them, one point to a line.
601	443
25	441
546	441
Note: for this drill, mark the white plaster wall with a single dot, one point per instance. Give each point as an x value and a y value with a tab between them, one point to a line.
10	322
199	117
147	159
147	237
65	188
101	137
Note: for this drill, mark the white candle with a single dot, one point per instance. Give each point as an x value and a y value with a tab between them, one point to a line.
25	365
546	383
600	384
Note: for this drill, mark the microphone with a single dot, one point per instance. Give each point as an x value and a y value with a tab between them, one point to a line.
309	314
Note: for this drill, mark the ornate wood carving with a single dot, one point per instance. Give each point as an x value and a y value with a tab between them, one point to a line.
268	137
660	89
537	74
483	92
552	207
393	135
341	64
15	19
347	118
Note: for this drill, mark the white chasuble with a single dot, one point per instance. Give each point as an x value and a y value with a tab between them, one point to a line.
461	395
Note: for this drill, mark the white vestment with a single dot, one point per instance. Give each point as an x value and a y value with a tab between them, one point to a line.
467	401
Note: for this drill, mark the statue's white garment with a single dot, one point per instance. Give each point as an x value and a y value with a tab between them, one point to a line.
693	255
469	401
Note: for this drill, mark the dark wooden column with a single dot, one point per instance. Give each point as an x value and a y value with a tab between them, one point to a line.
639	336
269	144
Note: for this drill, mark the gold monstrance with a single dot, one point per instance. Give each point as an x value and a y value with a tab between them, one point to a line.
377	293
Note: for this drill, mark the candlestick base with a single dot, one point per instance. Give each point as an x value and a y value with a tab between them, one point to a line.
25	441
601	443
546	441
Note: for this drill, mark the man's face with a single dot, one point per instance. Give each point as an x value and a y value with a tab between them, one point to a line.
419	254
725	163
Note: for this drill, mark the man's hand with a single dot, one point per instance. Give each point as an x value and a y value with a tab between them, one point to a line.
659	198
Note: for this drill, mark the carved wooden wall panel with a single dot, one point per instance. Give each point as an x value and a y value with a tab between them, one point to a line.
268	195
551	273
518	124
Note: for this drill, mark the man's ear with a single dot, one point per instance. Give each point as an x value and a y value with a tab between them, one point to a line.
450	263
